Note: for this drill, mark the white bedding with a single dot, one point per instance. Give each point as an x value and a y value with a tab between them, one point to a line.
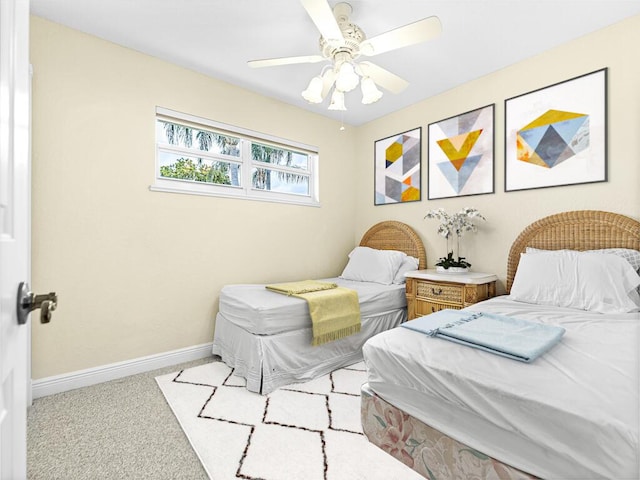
571	414
268	362
262	312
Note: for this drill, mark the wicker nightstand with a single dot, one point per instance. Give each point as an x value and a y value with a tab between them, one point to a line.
429	291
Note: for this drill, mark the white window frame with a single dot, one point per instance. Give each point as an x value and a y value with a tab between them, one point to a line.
245	190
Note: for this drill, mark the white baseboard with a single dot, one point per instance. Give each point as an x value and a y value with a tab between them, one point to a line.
92	376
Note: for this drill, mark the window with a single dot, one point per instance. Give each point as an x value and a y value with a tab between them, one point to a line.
198	156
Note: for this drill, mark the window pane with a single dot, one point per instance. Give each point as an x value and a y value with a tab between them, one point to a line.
279	156
205	157
189	137
275	181
198	170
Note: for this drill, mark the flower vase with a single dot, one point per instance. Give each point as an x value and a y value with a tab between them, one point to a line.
440	269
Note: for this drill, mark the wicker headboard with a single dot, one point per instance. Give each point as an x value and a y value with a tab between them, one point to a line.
577	230
392	235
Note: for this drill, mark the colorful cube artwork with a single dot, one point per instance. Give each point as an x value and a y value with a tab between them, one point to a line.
552	138
461	154
398	178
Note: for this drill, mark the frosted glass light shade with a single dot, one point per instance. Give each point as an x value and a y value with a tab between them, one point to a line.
337	101
370	92
313	93
347	78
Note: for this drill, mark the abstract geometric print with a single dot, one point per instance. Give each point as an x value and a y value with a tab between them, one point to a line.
552	138
557	135
461	165
397	168
461	148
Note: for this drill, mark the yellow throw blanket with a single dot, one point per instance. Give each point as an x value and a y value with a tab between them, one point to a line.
335	311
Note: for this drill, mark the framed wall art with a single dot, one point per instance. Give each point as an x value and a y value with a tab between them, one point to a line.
397	168
557	135
461	156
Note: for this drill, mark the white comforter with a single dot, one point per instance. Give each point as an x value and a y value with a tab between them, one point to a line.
263	312
571	414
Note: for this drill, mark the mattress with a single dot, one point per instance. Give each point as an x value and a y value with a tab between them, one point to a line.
571	414
262	312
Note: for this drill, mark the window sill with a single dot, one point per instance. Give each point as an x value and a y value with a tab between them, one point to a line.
258	196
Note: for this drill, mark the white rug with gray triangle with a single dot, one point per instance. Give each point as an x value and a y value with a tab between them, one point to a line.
306	431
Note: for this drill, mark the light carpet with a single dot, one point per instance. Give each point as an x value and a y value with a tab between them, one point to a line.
304	431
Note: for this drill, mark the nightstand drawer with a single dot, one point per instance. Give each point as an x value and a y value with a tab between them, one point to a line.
425	308
439	292
429	291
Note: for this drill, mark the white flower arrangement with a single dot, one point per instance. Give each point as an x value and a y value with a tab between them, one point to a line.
455	224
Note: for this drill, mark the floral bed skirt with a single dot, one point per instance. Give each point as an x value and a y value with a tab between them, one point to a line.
426	450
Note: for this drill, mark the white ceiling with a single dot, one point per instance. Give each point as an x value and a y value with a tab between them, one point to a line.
218	37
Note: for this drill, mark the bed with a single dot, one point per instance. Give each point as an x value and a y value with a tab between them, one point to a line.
450	411
266	337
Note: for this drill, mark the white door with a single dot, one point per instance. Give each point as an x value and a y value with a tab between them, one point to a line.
14	233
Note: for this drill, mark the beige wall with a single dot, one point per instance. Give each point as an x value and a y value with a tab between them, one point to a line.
509	213
139	272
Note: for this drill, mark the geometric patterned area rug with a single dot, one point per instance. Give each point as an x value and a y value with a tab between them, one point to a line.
304	431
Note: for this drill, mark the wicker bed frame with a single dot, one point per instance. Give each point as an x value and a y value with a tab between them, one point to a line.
392	235
576	230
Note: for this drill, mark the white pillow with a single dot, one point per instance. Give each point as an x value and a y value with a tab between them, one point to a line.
371	265
408	264
630	255
591	281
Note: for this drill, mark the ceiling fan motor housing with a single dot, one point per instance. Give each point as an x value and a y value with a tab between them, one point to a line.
352	34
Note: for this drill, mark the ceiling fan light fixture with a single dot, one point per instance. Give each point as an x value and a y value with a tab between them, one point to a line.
313	93
347	78
370	93
342	42
337	101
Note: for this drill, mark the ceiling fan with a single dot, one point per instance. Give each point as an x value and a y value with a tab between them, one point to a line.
341	44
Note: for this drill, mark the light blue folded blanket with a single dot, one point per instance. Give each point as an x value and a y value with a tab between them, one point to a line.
507	336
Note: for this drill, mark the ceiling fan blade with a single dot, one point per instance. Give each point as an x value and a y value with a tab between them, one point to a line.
322	15
272	62
410	34
384	78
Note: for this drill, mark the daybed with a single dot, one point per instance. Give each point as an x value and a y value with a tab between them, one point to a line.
451	411
266	337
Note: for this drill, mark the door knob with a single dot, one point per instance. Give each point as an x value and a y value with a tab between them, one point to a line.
29	301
